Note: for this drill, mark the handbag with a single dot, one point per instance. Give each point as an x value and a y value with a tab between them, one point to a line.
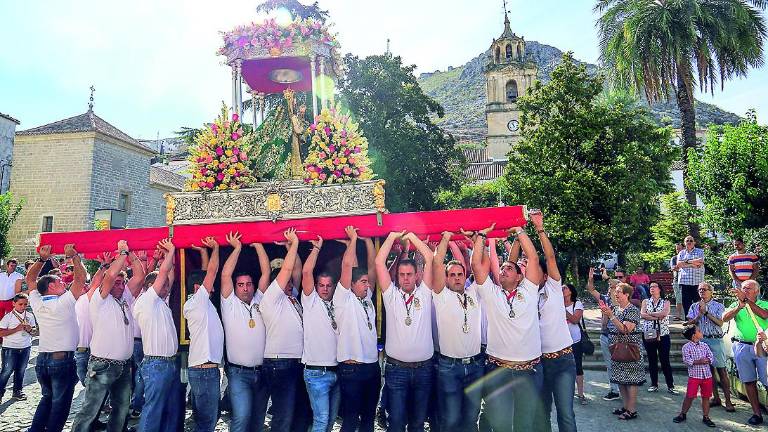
653	333
624	352
587	346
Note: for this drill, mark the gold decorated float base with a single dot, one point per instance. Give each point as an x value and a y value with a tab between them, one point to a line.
271	201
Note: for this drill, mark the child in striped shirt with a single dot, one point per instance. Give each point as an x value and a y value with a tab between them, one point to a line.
698	357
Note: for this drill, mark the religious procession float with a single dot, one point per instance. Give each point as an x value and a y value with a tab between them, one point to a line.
301	163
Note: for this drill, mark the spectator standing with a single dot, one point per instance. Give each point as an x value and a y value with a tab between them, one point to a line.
609	300
655	326
698	357
10	285
690	271
574	311
679	312
17	329
742	265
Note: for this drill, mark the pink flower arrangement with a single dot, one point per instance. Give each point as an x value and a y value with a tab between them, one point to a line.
269	35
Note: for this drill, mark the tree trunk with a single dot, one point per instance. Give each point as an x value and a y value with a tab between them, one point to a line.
574	267
687	138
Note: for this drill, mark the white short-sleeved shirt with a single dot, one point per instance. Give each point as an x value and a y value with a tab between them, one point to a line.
356	318
409	343
158	331
449	309
8	285
112	336
282	319
552	323
135	324
574	328
206	334
435	331
84	325
20	339
512	339
320	343
57	321
245	344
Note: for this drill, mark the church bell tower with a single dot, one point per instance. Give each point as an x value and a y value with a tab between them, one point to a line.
509	73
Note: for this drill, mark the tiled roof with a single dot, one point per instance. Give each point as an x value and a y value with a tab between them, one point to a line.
6	116
87	122
165	178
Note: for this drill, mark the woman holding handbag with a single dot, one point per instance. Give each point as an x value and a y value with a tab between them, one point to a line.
627	368
574	311
655	325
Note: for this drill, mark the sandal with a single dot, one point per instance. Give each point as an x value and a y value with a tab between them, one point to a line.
730	409
628	415
714	403
619	411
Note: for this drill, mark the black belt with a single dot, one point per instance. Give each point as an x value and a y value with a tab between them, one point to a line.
321	368
464	360
137	339
741	341
237	366
411	365
288	359
108	361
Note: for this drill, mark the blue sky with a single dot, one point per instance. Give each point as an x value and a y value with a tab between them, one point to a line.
154	66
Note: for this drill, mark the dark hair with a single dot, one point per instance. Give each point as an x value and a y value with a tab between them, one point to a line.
150	278
736	239
44	281
20	296
408	262
572	289
273	273
239	274
358	272
54	272
195	278
689	331
28	264
324	274
453	263
12	260
513	264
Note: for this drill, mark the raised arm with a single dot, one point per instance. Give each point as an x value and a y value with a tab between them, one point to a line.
307	272
591	285
438	263
457	253
264	268
34	271
514	251
166	267
114	269
549	252
286	271
227	284
79	273
382	273
533	270
349	258
370	257
494	256
136	282
481	263
213	264
203	255
427	253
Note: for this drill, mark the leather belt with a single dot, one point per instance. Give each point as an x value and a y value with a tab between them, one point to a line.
463	360
352	362
237	366
514	365
741	341
59	355
557	354
321	368
137	339
206	365
83	349
106	360
410	365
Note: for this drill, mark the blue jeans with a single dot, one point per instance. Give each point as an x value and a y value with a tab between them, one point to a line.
324	396
290	403
137	399
162	396
408	391
57	383
206	388
459	393
81	365
248	398
604	344
559	385
511	398
360	384
14	362
105	377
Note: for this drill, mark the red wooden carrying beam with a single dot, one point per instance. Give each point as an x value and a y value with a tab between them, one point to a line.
429	223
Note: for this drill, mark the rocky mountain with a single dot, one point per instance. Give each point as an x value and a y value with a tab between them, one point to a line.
461	91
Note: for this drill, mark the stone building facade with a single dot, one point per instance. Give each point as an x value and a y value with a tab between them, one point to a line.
68	169
7	132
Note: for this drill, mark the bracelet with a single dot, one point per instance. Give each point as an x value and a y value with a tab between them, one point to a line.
315	247
483	235
124	252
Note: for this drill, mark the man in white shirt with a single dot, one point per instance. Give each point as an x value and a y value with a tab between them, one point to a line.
356	350
16	328
557	360
54	307
245	337
109	368
513	374
206	347
84	325
160	368
282	314
10	285
461	362
409	346
319	355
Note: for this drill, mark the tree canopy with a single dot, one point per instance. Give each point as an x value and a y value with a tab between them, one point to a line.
9	211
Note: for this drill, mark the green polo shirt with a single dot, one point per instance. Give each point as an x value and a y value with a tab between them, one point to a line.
745	328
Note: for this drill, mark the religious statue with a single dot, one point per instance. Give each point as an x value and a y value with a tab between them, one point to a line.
297	131
277	141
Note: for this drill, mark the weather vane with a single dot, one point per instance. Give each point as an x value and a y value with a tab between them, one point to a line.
90	104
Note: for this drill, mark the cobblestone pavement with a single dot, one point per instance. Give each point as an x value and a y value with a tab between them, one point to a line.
656	409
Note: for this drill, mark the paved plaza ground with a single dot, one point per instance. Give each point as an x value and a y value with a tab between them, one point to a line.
656	410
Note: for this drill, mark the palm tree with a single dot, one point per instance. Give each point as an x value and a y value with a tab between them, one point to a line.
658	47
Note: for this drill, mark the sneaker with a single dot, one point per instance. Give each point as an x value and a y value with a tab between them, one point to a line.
19	396
583	400
680	418
611	396
755	420
707	421
671	390
135	414
653	389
